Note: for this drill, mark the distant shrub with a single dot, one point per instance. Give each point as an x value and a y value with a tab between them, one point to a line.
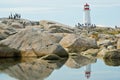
107	31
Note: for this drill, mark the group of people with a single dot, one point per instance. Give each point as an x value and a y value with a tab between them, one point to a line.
116	27
84	25
15	16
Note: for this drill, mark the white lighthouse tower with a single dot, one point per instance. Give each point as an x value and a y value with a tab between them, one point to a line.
88	71
87	20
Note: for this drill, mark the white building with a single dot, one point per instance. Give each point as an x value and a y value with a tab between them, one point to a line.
88	71
86	19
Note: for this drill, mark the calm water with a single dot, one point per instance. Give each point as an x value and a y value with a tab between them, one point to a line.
72	69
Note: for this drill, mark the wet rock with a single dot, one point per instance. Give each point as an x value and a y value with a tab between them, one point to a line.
51	57
112	54
8	52
75	43
112	62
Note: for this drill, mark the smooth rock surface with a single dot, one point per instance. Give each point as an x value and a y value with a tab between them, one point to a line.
55	27
75	43
35	42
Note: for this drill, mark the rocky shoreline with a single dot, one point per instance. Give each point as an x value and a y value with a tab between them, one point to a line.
25	38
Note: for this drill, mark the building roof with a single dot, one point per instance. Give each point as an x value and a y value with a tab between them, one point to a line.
86	4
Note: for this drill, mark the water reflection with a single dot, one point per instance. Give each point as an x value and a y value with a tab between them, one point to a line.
36	69
74	70
112	62
88	71
39	69
78	61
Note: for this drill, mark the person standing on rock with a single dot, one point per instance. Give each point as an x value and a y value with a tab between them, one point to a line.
11	16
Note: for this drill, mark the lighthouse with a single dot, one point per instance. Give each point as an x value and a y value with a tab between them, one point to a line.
86	19
88	71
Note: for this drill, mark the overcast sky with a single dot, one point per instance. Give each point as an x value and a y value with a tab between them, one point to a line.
103	12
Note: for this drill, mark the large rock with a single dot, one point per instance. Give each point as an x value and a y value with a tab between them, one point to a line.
6	31
112	62
112	54
75	43
35	42
8	52
55	27
9	27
